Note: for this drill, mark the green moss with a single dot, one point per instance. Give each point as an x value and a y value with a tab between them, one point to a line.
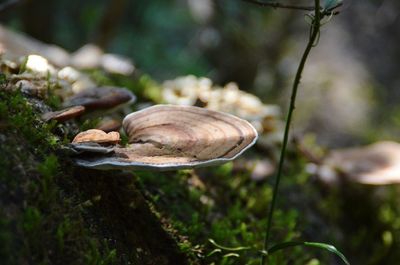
100	77
223	205
6	239
39	220
53	100
17	113
89	124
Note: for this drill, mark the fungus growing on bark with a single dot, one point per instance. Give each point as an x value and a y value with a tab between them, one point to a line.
376	164
65	114
167	137
117	64
97	98
86	57
97	136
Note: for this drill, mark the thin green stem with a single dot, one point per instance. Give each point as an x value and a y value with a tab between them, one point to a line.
315	27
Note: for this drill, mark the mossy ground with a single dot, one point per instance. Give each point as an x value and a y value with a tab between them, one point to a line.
41	221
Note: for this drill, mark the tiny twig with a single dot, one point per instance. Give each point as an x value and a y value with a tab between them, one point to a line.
279	5
326	12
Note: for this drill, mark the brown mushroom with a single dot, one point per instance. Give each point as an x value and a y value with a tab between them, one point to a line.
97	136
376	164
117	64
87	57
101	98
169	137
65	114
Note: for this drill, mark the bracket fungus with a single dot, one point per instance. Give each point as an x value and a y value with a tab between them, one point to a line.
376	164
168	137
65	114
97	136
95	141
100	98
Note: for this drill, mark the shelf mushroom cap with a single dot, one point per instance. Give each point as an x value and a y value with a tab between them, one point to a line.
98	98
65	114
169	137
376	164
97	136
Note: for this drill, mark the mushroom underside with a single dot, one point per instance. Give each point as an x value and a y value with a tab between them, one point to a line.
109	163
146	156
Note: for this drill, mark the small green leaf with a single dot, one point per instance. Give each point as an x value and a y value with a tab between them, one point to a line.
215	251
324	246
212	241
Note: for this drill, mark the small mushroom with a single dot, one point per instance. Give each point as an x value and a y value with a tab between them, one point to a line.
376	164
185	90
101	98
167	137
87	57
97	136
117	64
79	81
65	114
39	65
190	90
69	74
